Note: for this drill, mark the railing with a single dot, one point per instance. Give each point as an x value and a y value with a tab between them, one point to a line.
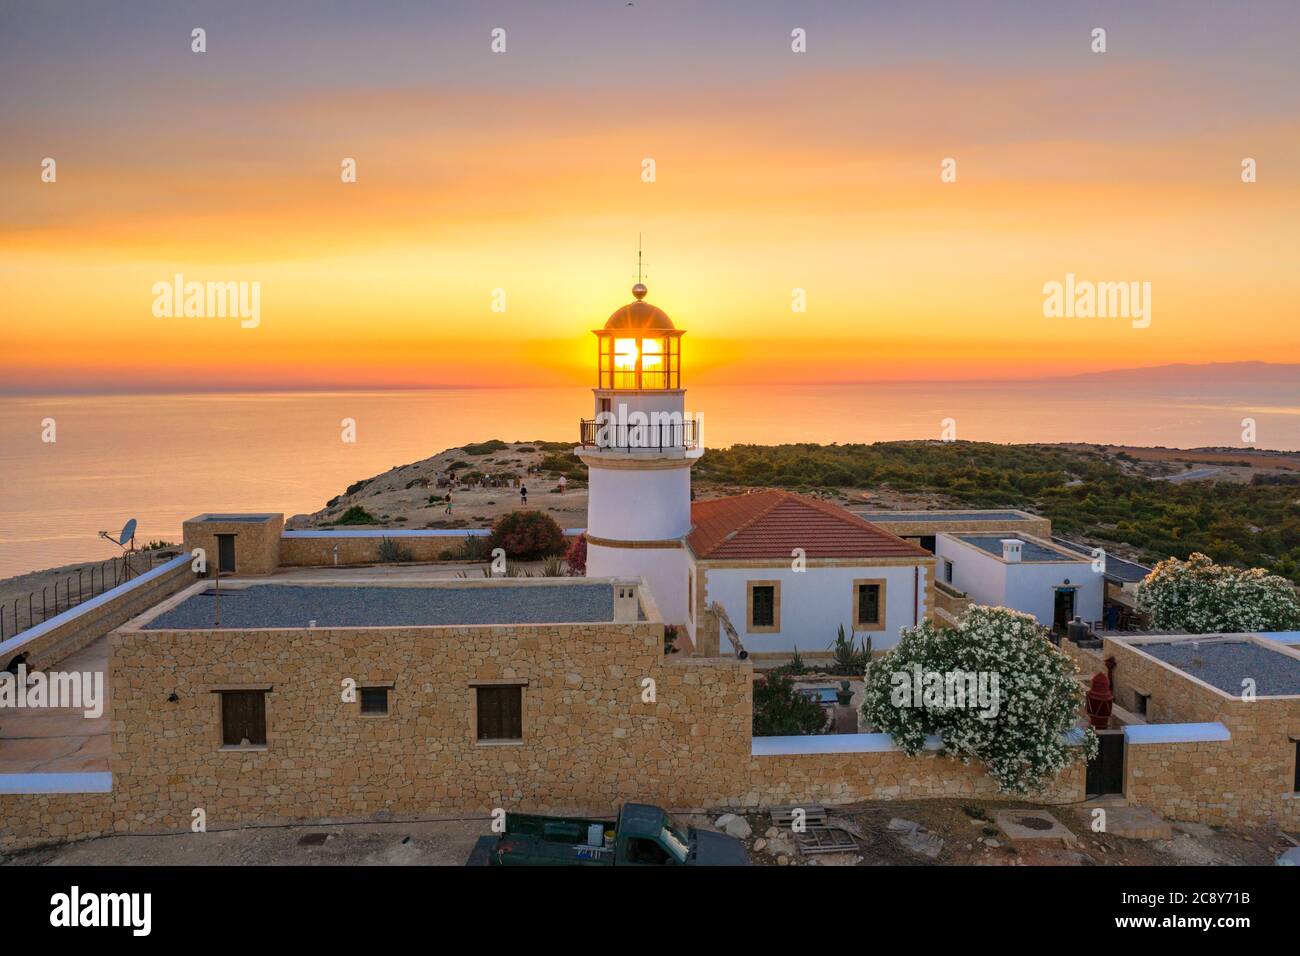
649	436
70	589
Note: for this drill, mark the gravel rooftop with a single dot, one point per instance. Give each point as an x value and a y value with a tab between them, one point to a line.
278	605
1226	664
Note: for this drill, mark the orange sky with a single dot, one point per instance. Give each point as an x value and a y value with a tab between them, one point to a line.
823	177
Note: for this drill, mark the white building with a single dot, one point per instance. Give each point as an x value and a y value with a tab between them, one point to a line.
786	570
1029	574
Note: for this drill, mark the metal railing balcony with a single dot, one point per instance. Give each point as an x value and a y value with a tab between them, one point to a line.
657	436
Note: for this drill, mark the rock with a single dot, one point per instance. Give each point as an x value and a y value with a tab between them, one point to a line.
783	860
992	844
1290	858
759	845
772	832
899	825
920	842
733	825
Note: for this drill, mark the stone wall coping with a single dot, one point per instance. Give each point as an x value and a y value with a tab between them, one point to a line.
856	744
831	744
1136	644
17	642
404	533
1175	733
56	783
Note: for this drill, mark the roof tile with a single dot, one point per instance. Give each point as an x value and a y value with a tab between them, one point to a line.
772	523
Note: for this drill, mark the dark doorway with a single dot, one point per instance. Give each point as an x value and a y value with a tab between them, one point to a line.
1106	770
226	553
927	542
1063	613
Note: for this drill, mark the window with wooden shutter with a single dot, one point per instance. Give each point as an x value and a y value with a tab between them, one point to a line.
243	718
869	604
763	614
501	712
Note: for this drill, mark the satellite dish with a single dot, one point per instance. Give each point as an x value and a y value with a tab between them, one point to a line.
128	532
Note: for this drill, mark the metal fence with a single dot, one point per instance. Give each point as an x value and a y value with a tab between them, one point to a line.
70	588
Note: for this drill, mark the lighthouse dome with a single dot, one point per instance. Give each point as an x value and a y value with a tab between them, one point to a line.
640	315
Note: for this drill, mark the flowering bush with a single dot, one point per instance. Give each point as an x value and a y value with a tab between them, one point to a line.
1202	597
527	535
993	688
576	556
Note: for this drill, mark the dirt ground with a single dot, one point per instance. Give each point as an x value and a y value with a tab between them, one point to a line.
970	838
441	843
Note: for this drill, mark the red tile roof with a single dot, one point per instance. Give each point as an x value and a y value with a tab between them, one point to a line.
771	523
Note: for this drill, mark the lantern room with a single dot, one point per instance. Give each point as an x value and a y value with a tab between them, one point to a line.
639	348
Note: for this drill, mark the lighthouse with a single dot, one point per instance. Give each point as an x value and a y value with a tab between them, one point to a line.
639	447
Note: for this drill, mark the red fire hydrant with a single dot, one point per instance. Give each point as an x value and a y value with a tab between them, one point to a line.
1100	701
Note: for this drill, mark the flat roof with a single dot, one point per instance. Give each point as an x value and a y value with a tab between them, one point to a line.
1226	663
258	606
945	515
1117	569
1029	550
250	518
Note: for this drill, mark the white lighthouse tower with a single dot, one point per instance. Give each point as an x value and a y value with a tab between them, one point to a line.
639	448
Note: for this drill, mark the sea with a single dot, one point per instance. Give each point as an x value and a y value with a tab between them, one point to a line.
162	458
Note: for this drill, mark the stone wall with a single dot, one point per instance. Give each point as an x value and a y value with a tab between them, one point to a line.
589	739
257	543
49	642
36	819
1249	779
851	777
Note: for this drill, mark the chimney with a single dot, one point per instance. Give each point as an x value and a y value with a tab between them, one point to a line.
1011	550
627	606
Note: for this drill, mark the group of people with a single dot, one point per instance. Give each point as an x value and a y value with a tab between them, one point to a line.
523	493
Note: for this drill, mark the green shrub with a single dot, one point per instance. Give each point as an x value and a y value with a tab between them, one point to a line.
781	711
356	515
485	447
527	535
391	550
993	689
848	658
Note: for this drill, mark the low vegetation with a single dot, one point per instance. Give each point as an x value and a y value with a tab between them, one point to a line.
356	515
1201	597
992	688
1083	492
527	535
781	711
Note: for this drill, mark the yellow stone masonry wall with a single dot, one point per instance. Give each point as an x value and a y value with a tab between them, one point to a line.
1247	780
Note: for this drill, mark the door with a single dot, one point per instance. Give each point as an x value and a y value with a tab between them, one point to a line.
1063	613
226	553
1106	770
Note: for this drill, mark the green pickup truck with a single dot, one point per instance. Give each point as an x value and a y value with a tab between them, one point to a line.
643	835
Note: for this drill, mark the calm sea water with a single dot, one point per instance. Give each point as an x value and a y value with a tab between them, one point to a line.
164	458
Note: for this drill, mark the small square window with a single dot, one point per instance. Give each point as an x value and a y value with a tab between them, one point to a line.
1143	702
374	701
947	570
501	712
243	718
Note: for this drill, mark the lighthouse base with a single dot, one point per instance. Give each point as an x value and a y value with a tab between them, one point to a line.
662	565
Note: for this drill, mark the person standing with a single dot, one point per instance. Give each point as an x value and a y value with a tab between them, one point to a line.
448	509
563	482
523	493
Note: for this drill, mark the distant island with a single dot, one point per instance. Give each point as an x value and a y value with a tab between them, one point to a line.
1237	505
1208	373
